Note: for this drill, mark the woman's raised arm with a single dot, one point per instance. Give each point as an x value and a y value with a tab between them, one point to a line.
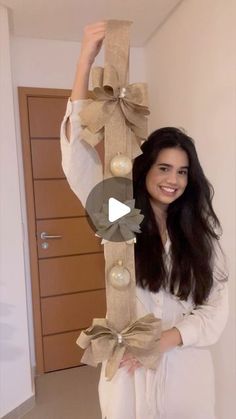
81	163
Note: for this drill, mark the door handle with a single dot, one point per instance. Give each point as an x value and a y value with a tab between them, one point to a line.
45	236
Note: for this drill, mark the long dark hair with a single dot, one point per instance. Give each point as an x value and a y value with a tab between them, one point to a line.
192	224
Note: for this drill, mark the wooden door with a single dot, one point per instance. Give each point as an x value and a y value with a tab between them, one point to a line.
67	269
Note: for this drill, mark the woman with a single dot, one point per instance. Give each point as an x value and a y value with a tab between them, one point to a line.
179	263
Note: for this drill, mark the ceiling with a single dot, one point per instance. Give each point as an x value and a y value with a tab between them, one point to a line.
65	19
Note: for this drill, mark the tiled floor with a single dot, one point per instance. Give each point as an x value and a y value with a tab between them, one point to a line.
67	394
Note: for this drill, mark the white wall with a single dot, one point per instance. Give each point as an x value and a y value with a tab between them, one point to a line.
15	372
191	71
48	63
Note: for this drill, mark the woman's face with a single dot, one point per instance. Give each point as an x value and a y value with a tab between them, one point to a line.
167	179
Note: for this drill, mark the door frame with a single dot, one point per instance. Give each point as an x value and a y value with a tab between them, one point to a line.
23	94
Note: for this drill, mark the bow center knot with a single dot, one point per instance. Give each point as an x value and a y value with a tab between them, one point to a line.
119	338
122	92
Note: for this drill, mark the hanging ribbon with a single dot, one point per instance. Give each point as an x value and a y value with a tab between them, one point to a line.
103	343
108	94
118	113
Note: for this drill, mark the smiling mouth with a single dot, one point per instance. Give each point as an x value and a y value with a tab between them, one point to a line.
169	191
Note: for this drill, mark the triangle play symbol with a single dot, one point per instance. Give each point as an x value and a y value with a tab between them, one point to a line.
117	209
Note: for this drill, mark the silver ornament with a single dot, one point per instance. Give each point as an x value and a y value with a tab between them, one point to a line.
120	165
119	276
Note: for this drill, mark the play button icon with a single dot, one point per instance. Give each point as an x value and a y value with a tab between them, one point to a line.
117	209
111	210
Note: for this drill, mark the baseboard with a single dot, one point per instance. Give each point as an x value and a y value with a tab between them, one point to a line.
21	410
33	375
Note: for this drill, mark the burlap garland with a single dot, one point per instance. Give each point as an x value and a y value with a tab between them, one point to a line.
118	112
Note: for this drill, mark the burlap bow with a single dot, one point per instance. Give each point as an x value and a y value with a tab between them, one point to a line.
107	95
103	343
125	226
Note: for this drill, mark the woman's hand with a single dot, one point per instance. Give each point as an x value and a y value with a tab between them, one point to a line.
130	362
91	44
170	339
94	35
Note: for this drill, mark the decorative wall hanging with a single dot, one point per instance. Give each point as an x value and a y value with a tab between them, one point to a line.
118	112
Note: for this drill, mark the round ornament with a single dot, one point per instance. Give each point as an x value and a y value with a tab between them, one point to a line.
120	165
119	276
